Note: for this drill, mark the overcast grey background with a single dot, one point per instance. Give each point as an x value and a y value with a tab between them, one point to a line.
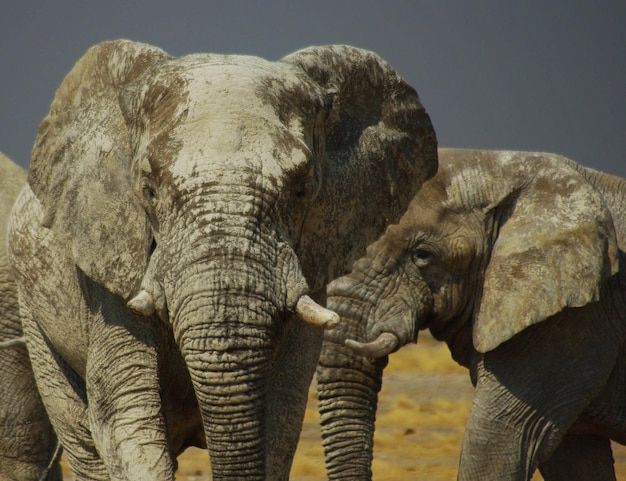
530	75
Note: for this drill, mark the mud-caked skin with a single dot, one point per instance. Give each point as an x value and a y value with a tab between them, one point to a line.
515	260
27	441
180	212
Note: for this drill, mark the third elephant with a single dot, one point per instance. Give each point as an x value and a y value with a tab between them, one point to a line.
515	260
28	447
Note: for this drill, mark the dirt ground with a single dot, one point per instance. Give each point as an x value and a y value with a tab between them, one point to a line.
421	418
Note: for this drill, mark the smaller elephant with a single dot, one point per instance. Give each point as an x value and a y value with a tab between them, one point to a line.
28	446
513	259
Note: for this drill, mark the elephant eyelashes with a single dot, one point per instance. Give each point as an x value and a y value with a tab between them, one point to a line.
150	197
421	257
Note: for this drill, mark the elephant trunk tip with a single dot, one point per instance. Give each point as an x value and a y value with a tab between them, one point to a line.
317	316
383	345
142	304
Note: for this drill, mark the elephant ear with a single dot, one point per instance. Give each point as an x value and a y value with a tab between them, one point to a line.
555	247
80	168
380	146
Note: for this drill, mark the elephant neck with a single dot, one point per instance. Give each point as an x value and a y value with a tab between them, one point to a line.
457	334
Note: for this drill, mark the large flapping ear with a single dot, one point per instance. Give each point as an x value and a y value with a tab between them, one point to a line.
80	168
380	146
555	248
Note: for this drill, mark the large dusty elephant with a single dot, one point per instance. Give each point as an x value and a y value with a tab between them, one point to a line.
513	259
27	441
212	194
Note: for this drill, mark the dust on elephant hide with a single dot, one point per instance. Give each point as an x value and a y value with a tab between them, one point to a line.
216	194
27	441
513	259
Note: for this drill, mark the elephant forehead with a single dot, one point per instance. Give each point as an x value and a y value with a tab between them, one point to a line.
242	86
240	113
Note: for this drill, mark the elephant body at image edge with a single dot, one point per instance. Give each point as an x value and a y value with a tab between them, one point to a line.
28	446
516	261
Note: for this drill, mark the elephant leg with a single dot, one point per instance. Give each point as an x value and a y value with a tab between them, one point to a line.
529	392
27	439
63	394
493	448
123	389
579	458
289	383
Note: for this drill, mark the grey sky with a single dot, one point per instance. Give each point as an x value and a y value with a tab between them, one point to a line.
532	75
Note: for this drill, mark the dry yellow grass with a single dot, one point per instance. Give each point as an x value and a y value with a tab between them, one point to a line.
421	419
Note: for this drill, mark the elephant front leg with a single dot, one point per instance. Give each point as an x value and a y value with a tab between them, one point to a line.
530	391
580	458
518	417
124	405
502	440
63	394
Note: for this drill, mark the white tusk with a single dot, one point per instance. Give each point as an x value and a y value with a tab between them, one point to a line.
312	313
18	341
383	345
142	304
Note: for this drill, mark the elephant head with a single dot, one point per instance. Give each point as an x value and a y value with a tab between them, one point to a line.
494	243
220	191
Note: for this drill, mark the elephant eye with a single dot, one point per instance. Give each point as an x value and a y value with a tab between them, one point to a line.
421	257
306	182
149	194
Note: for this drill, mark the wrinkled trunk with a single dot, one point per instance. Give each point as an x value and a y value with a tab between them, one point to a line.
227	304
347	389
229	378
226	280
226	332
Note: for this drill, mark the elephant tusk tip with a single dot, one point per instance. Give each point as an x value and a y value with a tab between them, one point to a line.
142	304
317	316
354	345
385	344
331	321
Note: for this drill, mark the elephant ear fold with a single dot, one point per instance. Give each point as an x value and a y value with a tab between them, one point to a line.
555	248
379	147
80	167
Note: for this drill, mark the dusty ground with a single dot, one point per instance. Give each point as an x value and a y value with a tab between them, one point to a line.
421	417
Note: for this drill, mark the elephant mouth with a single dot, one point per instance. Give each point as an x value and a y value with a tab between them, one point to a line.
402	320
306	309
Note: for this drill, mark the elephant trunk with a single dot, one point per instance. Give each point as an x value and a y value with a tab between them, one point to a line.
226	327
227	286
229	373
228	305
347	389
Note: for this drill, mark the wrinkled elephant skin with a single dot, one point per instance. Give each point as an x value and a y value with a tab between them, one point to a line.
515	260
27	441
182	215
